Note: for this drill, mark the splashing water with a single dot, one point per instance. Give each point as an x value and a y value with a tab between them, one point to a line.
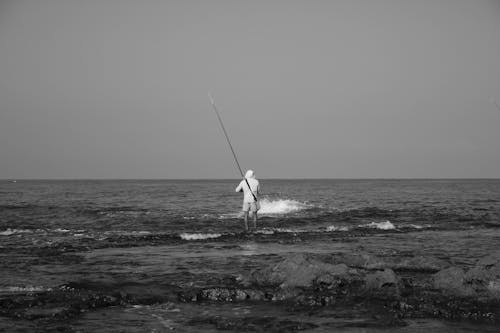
276	207
199	236
386	225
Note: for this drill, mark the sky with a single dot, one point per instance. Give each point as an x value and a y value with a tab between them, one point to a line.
306	89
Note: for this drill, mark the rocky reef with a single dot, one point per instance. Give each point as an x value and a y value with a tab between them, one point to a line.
418	287
392	290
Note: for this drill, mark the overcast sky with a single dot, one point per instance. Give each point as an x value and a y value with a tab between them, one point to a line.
334	89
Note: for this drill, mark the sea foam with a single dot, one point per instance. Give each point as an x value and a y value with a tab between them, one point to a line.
281	206
9	231
386	225
337	228
187	236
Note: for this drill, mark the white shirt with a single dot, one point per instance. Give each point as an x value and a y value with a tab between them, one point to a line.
254	186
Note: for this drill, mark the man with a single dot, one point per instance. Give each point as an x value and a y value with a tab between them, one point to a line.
250	197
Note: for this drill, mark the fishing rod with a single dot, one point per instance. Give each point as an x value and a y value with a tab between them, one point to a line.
212	101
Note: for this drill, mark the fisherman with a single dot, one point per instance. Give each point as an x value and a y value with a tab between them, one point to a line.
250	197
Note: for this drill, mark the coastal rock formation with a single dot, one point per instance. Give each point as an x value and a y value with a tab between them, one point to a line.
481	281
394	291
384	284
451	281
299	270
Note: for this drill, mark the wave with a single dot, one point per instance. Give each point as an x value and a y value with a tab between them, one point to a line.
61	230
417	226
281	206
198	236
385	225
10	231
337	228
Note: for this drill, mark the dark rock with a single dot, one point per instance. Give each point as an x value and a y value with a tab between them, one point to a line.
46	312
383	284
360	260
420	264
298	270
452	282
217	294
485	276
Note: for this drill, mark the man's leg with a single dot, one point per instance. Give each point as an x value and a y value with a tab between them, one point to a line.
246	220
255	220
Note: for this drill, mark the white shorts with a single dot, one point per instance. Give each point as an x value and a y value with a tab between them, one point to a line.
251	206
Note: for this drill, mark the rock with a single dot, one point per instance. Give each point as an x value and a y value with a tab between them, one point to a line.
490	261
286	294
485	277
255	295
296	271
452	282
339	280
362	260
383	284
420	264
45	312
216	294
487	268
240	295
493	289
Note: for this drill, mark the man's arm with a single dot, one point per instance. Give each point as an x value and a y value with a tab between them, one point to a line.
239	188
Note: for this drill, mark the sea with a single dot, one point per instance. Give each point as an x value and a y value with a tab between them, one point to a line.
128	247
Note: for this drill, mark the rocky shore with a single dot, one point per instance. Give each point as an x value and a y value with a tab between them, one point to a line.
392	290
419	287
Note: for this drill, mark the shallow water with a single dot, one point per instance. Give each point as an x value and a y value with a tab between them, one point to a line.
154	238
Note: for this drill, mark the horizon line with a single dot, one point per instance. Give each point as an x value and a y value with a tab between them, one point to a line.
284	178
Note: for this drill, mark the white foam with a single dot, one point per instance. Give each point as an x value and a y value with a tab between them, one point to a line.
386	225
281	206
264	231
337	228
270	231
187	236
416	226
61	230
127	233
10	231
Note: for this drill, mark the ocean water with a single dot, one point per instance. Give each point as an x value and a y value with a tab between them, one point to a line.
156	238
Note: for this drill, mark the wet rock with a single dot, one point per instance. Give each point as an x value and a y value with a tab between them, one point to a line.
491	261
286	294
217	294
485	277
43	312
222	294
255	295
313	281
493	288
339	280
452	282
359	260
420	264
298	270
55	304
383	284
